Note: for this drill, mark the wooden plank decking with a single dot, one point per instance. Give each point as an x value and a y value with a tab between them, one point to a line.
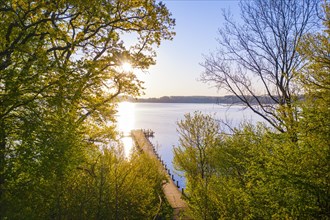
171	191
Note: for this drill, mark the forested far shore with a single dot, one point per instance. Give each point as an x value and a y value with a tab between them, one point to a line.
228	99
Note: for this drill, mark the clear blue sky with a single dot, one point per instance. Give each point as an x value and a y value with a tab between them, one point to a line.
177	68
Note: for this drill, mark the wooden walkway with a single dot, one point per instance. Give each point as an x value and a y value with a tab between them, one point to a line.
171	191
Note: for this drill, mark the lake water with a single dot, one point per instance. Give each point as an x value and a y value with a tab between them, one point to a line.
162	118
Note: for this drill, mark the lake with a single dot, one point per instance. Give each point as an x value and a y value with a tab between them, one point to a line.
162	118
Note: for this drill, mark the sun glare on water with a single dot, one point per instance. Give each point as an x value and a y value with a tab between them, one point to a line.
125	123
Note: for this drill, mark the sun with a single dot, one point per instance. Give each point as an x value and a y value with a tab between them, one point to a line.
126	67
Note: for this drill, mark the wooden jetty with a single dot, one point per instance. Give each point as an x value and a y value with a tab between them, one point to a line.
148	133
170	189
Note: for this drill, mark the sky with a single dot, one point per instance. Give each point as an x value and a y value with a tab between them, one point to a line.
178	69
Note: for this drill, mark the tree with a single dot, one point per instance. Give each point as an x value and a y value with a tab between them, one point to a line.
259	173
259	57
60	77
198	137
314	126
115	188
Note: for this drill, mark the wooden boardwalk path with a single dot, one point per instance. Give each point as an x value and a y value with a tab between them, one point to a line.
171	191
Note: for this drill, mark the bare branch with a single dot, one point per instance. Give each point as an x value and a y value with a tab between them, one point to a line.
261	53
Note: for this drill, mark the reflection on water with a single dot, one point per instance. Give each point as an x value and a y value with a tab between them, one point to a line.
125	123
162	117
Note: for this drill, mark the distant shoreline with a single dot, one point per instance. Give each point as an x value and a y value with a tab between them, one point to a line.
229	99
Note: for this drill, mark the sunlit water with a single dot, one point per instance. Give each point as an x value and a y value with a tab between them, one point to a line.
162	119
125	124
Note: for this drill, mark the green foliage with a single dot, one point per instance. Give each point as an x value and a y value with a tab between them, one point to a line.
107	187
315	122
198	137
258	173
60	77
114	188
198	134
